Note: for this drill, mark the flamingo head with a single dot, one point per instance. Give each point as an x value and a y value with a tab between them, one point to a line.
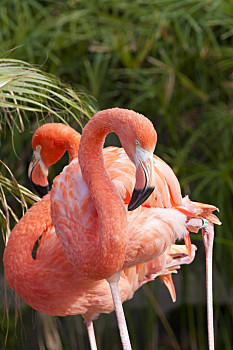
139	139
46	151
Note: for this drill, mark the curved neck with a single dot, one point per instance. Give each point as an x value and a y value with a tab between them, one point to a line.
108	203
56	139
18	261
72	144
68	139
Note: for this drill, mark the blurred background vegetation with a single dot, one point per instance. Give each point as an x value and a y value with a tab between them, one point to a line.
171	60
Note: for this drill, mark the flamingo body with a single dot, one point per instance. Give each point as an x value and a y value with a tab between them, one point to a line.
52	285
152	227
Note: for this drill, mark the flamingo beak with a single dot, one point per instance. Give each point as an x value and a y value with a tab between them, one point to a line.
38	173
144	185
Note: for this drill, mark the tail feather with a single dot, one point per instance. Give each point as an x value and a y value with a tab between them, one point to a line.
164	266
211	218
201	210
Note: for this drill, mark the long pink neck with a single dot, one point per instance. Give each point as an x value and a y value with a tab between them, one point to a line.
72	144
66	138
18	261
109	205
20	267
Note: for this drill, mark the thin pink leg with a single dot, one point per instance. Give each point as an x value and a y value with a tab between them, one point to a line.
91	334
113	282
208	239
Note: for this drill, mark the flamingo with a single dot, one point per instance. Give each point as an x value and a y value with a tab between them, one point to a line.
50	283
89	211
167	196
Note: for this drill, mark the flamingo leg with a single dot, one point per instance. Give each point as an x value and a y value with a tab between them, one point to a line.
113	282
91	334
208	238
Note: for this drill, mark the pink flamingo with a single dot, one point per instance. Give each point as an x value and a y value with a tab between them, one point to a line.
52	285
89	213
42	282
49	143
168	187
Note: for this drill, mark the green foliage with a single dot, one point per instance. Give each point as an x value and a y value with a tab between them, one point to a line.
172	60
25	88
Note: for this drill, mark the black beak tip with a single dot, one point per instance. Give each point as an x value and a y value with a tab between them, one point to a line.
134	199
139	197
41	190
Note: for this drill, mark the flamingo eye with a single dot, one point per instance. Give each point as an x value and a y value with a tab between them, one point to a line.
38	148
137	143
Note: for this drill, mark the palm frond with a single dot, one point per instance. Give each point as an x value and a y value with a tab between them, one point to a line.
25	89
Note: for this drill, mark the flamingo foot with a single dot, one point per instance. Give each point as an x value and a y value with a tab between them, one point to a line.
113	282
208	239
91	334
197	223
